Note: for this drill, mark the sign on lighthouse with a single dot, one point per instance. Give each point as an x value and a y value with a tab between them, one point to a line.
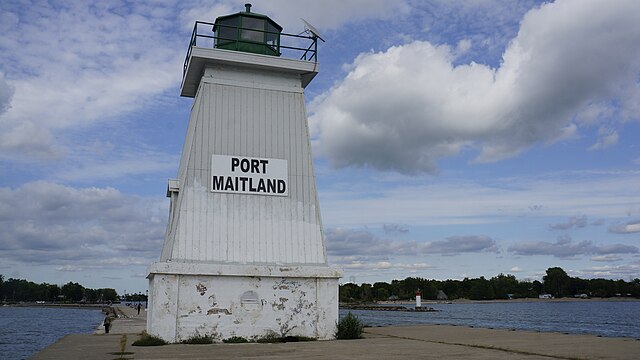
244	253
237	174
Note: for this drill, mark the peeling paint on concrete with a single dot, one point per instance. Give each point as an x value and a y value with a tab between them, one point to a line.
290	306
201	289
214	311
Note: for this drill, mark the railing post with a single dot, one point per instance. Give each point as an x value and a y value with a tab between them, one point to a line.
315	48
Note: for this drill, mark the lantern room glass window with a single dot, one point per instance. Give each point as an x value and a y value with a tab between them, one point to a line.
252	29
228	31
272	36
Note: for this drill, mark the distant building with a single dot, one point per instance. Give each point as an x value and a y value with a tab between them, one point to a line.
545	296
441	295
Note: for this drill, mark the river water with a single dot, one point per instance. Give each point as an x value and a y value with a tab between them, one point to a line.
26	330
604	318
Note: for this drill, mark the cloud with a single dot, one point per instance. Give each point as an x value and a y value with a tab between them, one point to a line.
385	265
362	246
575	221
330	14
121	161
612	272
394	228
564	247
348	242
606	138
407	107
628	228
595	194
606	258
325	15
44	223
95	62
6	93
516	269
455	245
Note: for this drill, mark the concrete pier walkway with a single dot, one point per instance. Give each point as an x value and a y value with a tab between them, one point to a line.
128	321
393	342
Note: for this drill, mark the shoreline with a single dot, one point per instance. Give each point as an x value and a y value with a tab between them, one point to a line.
59	306
520	300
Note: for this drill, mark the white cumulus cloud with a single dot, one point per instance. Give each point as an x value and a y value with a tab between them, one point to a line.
407	107
74	64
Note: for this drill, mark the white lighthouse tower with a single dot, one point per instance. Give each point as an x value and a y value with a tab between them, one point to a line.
244	253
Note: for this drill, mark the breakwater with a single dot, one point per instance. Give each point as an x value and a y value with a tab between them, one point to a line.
387	308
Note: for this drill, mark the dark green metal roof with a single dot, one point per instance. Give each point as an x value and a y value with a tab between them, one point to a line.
248	14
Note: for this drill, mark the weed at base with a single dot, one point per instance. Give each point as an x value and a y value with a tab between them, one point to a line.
235	340
148	340
197	339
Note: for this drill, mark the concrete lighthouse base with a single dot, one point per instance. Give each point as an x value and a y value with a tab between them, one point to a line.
222	301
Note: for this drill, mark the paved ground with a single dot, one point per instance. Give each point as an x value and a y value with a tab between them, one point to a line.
412	342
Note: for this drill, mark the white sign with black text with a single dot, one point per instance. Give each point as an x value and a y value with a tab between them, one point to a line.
248	175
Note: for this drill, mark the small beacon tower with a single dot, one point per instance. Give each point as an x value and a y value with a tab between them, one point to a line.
244	253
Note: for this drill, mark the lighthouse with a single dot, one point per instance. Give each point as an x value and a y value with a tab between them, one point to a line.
244	253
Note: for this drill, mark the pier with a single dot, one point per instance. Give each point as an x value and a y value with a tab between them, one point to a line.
393	342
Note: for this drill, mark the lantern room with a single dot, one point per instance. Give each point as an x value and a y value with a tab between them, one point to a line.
248	32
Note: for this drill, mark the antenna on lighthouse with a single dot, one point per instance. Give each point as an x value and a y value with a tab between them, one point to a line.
308	28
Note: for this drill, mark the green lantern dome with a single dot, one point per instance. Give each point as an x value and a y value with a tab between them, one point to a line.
248	32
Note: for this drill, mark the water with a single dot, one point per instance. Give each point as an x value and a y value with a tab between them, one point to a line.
604	318
24	331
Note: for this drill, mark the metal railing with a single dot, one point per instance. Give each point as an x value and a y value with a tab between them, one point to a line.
301	46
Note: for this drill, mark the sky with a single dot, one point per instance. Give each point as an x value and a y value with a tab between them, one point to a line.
451	139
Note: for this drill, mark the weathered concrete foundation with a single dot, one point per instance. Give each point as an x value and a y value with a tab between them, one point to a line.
247	301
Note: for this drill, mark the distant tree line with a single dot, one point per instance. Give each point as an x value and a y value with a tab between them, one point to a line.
556	282
16	290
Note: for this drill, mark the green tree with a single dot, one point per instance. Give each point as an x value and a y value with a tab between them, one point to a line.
73	291
556	282
382	290
349	293
366	292
481	289
52	292
107	294
503	285
452	289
